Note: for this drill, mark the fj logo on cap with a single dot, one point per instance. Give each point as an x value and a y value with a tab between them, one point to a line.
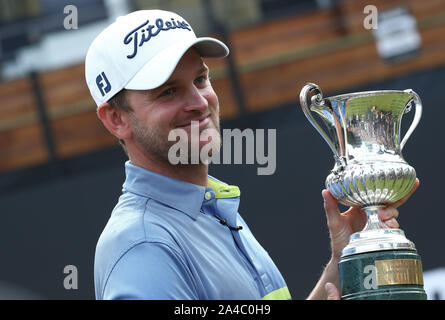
103	87
151	31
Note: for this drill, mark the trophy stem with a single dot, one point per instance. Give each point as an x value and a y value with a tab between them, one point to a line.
374	221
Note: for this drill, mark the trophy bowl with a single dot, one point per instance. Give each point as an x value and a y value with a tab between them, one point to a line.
363	130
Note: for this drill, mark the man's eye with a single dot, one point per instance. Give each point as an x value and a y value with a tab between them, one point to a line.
200	79
167	92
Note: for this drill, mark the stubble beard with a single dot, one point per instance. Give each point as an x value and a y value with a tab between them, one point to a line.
155	143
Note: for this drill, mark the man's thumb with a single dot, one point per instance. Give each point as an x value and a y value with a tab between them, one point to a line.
330	207
331	292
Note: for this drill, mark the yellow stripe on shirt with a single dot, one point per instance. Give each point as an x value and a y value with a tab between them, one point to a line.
279	294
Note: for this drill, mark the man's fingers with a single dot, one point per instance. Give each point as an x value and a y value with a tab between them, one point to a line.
389	216
403	200
392	223
388	213
332	292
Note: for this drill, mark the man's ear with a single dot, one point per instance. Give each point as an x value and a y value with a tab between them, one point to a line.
115	120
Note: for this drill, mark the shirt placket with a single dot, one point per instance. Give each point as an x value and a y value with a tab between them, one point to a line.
254	265
210	207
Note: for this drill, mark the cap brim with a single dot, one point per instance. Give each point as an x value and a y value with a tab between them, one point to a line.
159	69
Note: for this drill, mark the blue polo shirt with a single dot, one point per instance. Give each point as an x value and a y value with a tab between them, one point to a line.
164	240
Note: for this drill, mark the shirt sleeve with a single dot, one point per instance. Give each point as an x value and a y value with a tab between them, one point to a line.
150	271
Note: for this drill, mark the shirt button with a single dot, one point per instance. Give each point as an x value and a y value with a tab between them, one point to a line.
208	195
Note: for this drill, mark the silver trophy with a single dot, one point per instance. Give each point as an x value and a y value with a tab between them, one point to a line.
363	131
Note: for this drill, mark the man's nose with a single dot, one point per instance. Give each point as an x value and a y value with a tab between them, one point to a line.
195	100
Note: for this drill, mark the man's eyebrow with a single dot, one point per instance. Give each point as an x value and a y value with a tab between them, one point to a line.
203	68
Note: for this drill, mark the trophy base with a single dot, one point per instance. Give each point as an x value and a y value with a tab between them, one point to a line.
382	275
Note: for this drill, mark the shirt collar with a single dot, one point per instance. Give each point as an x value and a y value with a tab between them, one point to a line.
183	196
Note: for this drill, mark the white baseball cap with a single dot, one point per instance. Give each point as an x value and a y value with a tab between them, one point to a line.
140	51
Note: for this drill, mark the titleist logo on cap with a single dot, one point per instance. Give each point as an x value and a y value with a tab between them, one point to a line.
151	31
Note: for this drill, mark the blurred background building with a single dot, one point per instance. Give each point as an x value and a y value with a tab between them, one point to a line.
61	171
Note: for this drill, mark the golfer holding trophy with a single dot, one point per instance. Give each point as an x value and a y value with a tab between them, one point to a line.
363	131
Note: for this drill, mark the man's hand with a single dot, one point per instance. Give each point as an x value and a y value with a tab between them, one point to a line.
342	225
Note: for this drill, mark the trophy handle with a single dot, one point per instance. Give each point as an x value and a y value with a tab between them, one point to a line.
318	101
417	115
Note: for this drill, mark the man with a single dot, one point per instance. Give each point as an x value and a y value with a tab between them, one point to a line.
176	232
